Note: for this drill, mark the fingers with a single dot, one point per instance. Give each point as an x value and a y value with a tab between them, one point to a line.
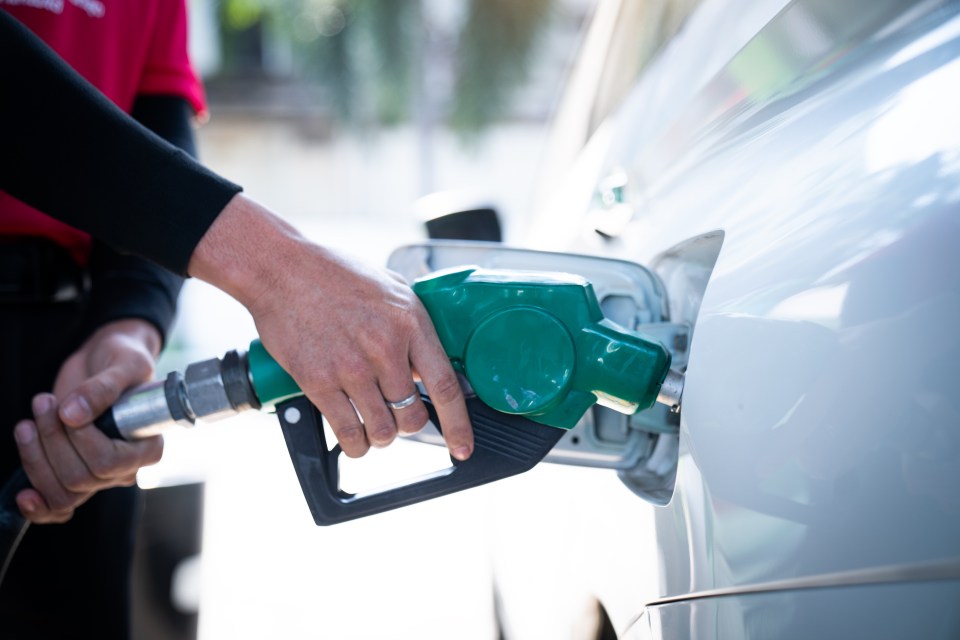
50	501
110	462
378	422
66	466
35	509
377	425
345	423
442	386
99	392
411	418
408	419
55	448
368	332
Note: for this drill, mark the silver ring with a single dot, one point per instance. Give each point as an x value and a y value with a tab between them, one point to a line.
403	404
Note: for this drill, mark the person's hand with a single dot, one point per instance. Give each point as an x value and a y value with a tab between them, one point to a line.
353	338
66	458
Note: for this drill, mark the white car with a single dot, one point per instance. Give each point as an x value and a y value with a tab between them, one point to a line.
782	180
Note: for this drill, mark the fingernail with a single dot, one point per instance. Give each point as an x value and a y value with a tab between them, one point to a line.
461	453
24	433
43	403
77	411
29	506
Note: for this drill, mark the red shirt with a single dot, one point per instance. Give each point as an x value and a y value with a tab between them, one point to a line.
125	48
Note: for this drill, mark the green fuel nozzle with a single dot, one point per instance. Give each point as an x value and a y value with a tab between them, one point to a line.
537	344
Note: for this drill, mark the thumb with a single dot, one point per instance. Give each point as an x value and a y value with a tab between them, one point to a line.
99	392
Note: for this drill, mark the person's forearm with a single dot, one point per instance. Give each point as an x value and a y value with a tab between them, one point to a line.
126	286
244	250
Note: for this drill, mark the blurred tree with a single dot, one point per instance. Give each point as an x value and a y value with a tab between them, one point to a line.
382	61
494	54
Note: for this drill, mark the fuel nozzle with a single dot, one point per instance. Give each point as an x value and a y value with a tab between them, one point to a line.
537	344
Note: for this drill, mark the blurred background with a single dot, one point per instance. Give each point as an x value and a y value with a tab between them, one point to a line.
341	115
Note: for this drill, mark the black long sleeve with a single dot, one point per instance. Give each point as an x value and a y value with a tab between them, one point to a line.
69	152
127	286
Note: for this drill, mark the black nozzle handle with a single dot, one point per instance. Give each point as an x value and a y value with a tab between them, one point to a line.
12	523
505	445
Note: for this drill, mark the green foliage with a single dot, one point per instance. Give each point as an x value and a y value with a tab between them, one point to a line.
495	48
241	14
368	54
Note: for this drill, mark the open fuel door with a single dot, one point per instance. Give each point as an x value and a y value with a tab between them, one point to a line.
642	448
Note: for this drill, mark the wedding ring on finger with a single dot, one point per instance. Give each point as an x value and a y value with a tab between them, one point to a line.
403	404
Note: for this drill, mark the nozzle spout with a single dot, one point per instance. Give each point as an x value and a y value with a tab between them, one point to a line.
671	390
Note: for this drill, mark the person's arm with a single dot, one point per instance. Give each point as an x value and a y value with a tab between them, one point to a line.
128	286
133	302
71	153
348	334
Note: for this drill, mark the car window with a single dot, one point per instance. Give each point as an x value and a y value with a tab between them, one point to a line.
642	28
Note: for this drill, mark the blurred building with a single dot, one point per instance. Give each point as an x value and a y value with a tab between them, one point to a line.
274	128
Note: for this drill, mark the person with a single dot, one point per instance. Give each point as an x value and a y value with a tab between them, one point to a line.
97	319
353	337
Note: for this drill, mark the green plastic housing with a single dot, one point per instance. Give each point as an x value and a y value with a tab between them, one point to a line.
270	382
536	344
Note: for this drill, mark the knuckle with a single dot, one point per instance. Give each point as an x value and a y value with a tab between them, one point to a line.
378	341
43	517
103	466
349	434
420	319
142	367
446	389
412	419
47	425
59	517
355	372
76	481
60	502
98	392
38	517
352	440
46	430
127	481
356	451
317	384
30	454
381	432
414	320
153	452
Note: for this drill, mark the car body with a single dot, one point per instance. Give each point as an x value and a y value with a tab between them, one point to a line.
790	172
